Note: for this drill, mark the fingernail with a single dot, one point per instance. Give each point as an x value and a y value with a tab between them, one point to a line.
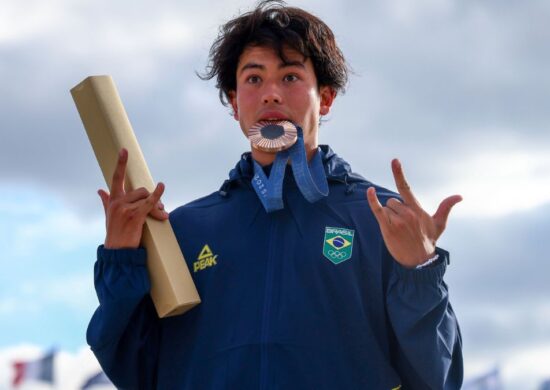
161	206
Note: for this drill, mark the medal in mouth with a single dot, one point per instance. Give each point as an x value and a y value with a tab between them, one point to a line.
272	136
286	140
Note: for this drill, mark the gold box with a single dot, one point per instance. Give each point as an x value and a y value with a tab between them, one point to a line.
109	130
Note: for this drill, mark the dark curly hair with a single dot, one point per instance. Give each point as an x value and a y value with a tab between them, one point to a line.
276	25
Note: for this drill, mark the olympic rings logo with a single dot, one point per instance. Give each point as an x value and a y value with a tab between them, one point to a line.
336	254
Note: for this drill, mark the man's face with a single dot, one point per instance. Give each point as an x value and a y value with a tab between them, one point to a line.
267	88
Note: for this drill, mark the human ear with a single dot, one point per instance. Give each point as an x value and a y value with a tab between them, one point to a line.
233	102
327	95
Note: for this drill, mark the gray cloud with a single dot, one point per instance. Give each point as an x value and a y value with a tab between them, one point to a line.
445	80
432	80
499	279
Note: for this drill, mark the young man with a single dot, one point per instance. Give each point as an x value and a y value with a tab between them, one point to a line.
336	292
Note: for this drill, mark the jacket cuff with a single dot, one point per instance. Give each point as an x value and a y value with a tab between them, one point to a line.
429	274
130	256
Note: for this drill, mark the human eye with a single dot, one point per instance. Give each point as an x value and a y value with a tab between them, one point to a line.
290	77
253	79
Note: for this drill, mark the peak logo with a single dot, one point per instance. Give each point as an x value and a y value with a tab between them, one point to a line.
205	259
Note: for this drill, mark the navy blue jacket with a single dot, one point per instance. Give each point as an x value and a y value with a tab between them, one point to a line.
276	313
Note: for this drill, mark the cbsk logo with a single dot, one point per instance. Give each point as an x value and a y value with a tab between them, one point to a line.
206	259
338	244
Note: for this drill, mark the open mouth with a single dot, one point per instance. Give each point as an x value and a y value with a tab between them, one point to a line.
274	120
272	134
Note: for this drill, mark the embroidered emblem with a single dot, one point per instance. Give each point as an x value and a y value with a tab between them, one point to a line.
206	259
338	244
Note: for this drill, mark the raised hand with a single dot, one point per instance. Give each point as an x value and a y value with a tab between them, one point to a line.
125	212
409	232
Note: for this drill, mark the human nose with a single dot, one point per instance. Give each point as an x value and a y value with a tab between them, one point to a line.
272	94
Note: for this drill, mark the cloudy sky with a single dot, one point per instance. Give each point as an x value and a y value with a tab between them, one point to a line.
458	90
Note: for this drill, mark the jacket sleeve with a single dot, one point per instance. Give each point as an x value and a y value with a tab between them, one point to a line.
427	347
124	331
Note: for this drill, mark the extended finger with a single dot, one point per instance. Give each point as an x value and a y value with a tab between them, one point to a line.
152	200
117	185
442	214
402	185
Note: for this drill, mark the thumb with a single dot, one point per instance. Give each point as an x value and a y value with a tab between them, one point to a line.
104	198
159	213
442	214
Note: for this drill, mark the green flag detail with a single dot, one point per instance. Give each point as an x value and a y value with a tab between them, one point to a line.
338	244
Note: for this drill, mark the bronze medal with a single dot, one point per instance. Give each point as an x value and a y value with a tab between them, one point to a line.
273	136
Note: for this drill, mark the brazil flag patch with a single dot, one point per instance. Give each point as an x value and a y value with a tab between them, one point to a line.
338	244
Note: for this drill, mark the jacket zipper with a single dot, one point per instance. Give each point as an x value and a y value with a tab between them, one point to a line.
267	304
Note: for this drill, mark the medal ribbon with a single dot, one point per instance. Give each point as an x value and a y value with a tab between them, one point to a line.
310	178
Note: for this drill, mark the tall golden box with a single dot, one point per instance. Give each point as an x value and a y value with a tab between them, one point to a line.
108	128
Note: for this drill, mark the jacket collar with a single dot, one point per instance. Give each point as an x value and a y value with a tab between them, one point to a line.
336	169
